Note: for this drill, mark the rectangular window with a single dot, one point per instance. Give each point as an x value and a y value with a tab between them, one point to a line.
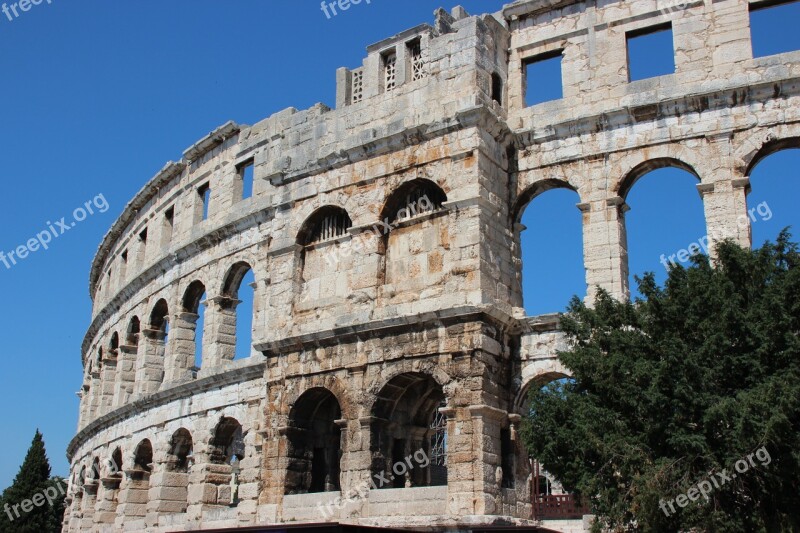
246	174
650	52
416	62
123	267
389	71
204	192
169	225
142	247
543	78
358	86
773	27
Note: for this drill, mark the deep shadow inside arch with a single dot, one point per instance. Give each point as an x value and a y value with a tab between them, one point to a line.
314	439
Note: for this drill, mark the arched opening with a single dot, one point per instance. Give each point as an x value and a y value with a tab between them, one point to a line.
771	202
239	306
550	500
666	223
132	333
159	320
114	344
111	479
226	451
175	488
407	421
314	440
551	248
139	480
193	319
227	445
325	259
412	242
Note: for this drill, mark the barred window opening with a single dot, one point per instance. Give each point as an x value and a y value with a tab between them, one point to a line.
329	225
358	86
417	61
390	71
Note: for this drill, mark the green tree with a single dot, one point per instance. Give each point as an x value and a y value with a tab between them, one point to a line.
674	389
33	479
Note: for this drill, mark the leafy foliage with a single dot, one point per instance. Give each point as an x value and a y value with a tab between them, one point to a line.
680	384
33	478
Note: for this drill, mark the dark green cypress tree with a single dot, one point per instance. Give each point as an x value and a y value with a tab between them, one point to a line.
33	479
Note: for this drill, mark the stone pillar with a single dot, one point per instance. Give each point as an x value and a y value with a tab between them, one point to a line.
106	508
169	492
75	510
150	362
209	486
181	356
464	463
481	464
90	488
95	393
221	326
108	376
126	375
605	247
133	496
724	191
522	470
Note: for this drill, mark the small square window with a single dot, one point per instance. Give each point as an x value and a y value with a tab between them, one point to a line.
246	174
773	27
543	79
650	53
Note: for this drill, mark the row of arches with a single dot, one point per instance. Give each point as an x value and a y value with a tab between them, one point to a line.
666	223
407	420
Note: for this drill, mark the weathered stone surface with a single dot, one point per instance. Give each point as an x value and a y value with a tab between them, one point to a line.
384	240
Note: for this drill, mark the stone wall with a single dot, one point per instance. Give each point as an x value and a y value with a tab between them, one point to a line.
384	239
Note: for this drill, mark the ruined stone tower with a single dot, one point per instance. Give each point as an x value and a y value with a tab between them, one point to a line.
390	351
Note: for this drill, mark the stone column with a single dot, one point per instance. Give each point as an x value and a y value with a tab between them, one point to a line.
126	375
106	507
108	376
180	359
605	247
150	362
724	191
221	327
95	393
169	491
76	510
133	496
90	488
209	486
522	470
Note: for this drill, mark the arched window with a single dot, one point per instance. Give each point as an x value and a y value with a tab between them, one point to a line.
552	261
239	290
132	333
115	468
159	319
416	197
179	459
408	422
314	443
227	444
412	244
114	344
139	480
324	259
774	189
666	222
194	304
326	223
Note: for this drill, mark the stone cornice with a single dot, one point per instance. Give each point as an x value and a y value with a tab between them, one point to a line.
230	376
332	336
627	116
529	8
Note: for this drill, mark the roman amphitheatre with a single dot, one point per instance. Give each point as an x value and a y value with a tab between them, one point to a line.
382	238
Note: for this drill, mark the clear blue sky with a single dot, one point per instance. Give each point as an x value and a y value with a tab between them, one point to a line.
98	95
